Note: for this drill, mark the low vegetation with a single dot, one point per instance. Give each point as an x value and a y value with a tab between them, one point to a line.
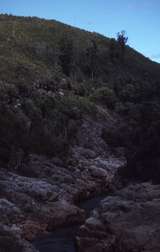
53	75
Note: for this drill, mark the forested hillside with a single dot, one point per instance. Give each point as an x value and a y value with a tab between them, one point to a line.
52	75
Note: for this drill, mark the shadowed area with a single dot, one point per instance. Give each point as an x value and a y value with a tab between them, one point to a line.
63	239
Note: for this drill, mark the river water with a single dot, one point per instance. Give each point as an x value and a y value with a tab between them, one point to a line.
63	239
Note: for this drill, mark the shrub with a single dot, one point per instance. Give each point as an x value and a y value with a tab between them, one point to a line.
104	96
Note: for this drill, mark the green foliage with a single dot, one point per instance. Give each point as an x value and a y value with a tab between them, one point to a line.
104	96
53	75
33	49
122	39
66	54
113	50
92	59
39	122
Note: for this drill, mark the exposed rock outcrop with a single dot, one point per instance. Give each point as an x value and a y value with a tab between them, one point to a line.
127	221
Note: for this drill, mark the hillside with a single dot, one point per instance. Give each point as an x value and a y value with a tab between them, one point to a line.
30	45
41	58
79	117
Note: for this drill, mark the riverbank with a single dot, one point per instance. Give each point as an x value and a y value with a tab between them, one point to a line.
45	195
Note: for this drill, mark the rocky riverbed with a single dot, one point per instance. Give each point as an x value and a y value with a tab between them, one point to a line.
41	199
34	206
64	239
45	194
126	221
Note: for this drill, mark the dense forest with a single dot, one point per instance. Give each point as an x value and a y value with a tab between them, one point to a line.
53	75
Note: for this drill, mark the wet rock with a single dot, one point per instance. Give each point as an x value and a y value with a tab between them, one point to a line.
30	229
11	241
84	152
128	221
98	172
63	213
37	188
9	211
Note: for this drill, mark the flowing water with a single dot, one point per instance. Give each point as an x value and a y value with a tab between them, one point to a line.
63	239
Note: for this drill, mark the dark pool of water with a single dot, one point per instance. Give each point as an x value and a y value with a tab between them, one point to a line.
63	239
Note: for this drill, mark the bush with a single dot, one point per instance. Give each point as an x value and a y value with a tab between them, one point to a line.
104	96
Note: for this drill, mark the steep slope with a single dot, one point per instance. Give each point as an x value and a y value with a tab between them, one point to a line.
53	72
33	46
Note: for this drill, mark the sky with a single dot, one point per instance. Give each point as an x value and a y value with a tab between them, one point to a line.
139	18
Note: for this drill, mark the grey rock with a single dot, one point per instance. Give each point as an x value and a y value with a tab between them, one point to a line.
42	194
130	218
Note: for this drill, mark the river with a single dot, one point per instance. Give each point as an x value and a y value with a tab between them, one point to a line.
63	239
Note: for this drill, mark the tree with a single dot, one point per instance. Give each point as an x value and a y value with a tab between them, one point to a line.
122	41
66	54
112	49
92	57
